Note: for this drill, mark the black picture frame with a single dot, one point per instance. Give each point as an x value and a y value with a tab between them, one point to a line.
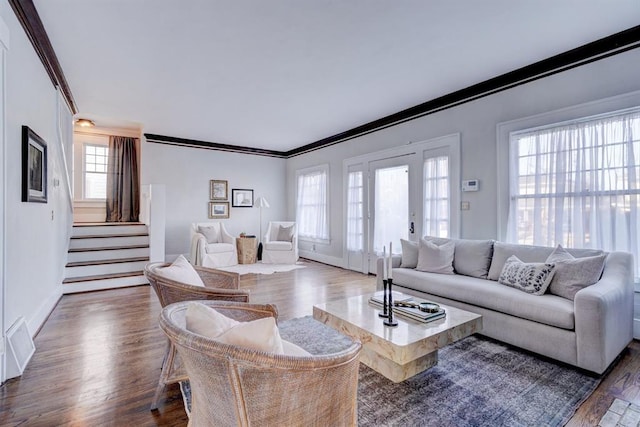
241	198
34	167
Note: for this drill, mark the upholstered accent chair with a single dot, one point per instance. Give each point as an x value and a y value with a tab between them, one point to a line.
280	244
219	285
232	385
212	246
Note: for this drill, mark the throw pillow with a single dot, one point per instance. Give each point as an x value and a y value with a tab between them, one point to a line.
181	271
574	274
260	334
290	349
285	234
436	259
533	278
211	234
409	254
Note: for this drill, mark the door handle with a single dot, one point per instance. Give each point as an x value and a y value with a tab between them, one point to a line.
411	228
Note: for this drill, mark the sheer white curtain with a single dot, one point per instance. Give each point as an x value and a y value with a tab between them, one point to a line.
436	196
391	208
578	184
311	212
355	211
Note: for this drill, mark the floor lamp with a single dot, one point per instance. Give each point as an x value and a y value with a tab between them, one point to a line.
261	202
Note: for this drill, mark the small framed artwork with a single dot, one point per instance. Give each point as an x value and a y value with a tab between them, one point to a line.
34	167
218	190
241	198
218	210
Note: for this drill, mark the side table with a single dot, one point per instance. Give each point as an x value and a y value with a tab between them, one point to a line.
246	247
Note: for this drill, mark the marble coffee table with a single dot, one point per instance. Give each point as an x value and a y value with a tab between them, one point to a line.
397	352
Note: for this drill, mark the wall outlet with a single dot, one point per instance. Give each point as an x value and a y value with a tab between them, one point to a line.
465	206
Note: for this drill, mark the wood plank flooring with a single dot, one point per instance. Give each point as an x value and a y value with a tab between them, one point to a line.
98	356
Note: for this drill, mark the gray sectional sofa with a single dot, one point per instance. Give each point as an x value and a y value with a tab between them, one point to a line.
588	332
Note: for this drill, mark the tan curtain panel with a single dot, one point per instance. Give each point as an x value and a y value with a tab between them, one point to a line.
123	189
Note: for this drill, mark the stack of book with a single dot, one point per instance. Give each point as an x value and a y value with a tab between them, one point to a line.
410	312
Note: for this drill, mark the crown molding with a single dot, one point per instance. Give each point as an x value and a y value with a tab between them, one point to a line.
172	140
28	17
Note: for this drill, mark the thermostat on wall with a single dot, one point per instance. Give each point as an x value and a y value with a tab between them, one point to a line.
470	185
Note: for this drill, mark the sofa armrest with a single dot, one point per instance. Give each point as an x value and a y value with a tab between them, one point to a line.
395	262
604	314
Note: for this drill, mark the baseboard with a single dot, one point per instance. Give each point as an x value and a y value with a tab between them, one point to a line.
636	328
325	259
42	314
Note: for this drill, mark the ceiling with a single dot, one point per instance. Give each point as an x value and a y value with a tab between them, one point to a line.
280	74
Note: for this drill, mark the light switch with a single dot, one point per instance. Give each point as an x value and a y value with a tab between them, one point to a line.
465	206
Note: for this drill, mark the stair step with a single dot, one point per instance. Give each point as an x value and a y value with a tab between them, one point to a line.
106	236
105	224
113	241
107	253
107	228
102	277
106	261
110	267
107	248
111	281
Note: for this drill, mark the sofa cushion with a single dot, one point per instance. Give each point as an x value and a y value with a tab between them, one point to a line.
409	254
216	248
435	258
526	253
573	274
471	258
530	277
278	246
547	309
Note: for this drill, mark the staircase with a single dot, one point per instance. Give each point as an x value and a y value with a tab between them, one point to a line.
105	256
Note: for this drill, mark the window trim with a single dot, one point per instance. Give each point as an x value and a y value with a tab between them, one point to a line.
84	171
306	171
574	113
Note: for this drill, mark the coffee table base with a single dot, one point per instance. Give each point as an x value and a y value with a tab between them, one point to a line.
394	371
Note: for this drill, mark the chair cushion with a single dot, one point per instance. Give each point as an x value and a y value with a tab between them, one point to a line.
573	274
533	277
285	234
278	246
409	254
435	258
181	271
260	334
210	233
216	248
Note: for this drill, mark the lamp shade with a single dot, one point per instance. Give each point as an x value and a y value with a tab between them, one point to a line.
261	202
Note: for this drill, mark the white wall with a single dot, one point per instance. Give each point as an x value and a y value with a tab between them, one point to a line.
186	172
36	234
476	121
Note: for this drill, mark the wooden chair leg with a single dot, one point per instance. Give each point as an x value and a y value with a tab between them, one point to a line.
167	364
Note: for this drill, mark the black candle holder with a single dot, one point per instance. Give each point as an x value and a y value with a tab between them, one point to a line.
390	321
384	312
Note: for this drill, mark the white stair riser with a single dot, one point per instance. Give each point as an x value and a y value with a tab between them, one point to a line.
110	254
96	270
95	285
108	242
108	229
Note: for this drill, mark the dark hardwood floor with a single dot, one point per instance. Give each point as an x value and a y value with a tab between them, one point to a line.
98	355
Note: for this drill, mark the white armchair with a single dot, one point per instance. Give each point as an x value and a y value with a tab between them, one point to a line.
280	244
212	246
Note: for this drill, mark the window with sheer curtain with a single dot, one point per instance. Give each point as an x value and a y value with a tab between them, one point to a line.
436	196
355	210
577	184
311	204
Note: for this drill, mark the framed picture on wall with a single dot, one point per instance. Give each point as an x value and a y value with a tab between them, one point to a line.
218	210
218	189
34	167
241	198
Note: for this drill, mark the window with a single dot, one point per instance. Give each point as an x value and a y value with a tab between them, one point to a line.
95	171
311	206
355	191
577	184
436	196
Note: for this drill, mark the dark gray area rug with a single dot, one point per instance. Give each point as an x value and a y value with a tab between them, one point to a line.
477	382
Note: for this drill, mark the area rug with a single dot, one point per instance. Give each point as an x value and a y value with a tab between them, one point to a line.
260	268
477	382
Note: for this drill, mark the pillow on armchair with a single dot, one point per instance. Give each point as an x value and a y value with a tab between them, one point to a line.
211	234
285	234
181	271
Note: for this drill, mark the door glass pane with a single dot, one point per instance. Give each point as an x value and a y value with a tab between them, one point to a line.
436	196
391	208
355	212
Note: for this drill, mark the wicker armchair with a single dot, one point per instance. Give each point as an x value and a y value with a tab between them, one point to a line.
219	285
231	385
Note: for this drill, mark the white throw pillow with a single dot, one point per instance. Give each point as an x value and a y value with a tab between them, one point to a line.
533	278
181	271
436	259
409	254
290	349
573	274
285	234
261	334
210	233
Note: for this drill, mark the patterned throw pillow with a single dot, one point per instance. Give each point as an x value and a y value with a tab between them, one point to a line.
533	278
